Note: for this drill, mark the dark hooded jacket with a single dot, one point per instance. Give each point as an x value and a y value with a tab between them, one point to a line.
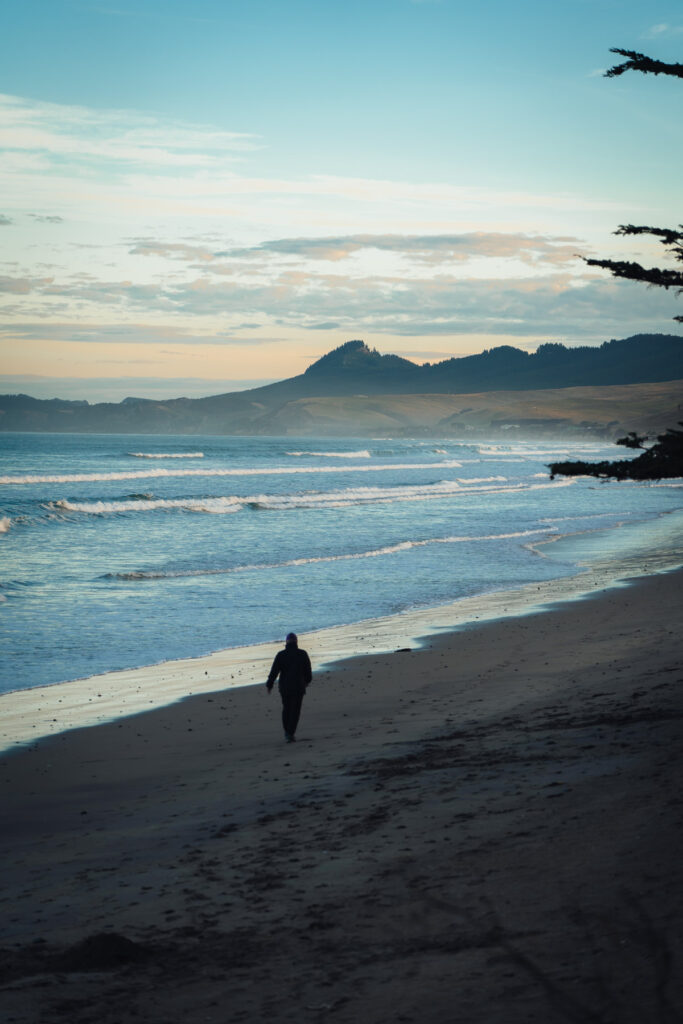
293	666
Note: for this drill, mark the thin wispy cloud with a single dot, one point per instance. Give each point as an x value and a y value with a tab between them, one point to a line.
47	218
113	139
429	248
172	250
23	285
663	29
83	161
101	332
535	250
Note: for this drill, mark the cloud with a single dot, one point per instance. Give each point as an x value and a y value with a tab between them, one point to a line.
563	303
171	250
47	219
99	167
428	248
112	139
663	29
558	305
373	262
126	333
541	291
23	285
540	253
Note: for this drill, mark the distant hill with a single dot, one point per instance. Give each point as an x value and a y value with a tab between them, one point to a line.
641	359
606	412
352	371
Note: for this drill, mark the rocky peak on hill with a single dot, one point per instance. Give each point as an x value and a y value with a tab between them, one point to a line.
354	357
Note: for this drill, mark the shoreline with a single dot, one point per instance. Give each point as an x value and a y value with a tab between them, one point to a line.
30	715
486	830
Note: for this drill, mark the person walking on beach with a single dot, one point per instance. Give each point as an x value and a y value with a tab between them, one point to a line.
293	666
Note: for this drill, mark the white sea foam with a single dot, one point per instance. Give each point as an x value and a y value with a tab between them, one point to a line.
520	453
313	500
389	549
365	454
589	515
483	479
166	455
5	523
217	506
76	478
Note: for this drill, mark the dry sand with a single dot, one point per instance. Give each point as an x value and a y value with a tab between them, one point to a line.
485	830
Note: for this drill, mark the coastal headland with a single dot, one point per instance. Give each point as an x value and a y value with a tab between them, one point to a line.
486	828
629	384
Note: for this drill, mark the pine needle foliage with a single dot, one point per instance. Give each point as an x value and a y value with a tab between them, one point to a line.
641	62
671	238
664	459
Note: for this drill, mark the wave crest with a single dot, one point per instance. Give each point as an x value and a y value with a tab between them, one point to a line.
230	504
77	478
364	454
389	549
166	455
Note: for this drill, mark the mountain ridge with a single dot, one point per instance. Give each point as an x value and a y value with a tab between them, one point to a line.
355	370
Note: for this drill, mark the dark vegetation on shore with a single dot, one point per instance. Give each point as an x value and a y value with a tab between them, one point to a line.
663	460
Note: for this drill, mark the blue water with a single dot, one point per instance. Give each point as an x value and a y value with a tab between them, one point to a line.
112	557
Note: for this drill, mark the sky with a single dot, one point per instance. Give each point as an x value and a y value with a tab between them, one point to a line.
199	196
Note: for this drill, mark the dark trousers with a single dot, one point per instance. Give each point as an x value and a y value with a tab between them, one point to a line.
292	698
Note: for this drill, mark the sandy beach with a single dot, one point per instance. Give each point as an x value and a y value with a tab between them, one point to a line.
484	829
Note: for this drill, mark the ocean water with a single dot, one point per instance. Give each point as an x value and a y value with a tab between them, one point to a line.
118	551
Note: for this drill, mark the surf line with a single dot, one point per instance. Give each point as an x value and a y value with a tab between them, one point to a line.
390	549
77	478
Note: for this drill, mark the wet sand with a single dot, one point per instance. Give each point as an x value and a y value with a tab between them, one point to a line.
487	829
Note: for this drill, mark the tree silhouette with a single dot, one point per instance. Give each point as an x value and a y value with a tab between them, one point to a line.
639	62
664	460
632	440
665	457
671	238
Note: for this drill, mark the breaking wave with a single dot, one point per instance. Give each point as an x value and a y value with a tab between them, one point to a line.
521	450
218	506
588	515
166	455
334	455
76	478
390	549
313	500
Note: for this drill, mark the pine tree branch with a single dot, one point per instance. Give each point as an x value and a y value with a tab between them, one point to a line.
640	62
672	238
634	272
669	236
